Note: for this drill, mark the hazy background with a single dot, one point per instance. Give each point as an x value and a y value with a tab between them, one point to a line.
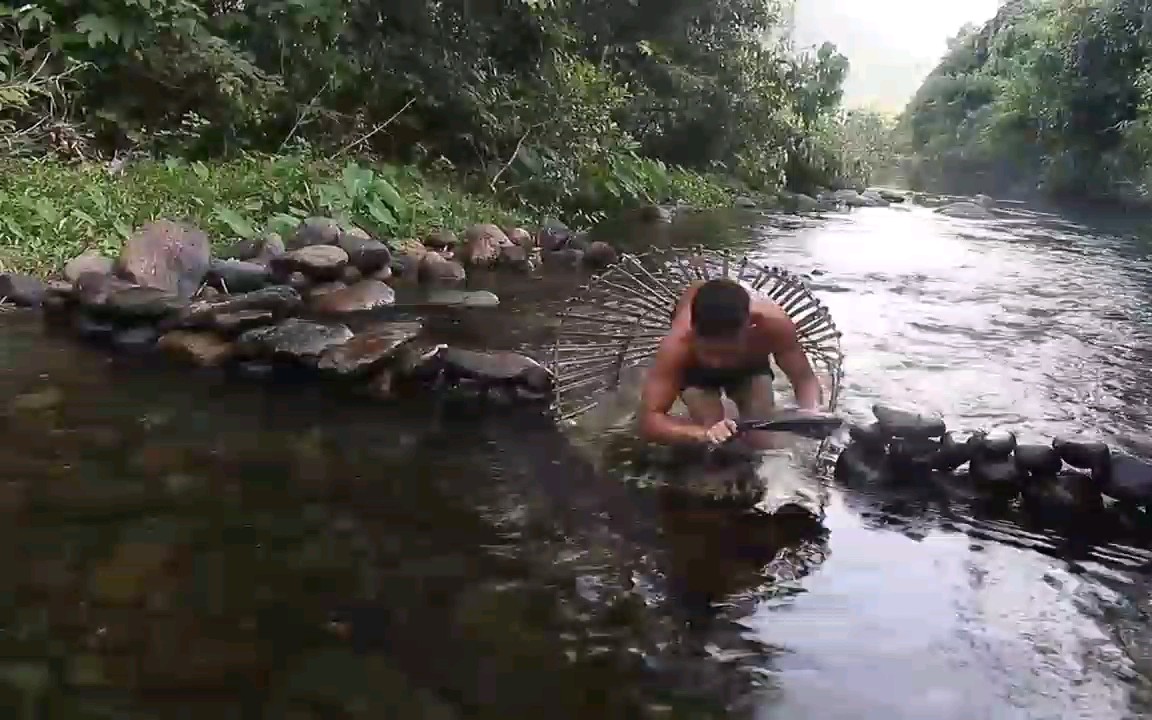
892	44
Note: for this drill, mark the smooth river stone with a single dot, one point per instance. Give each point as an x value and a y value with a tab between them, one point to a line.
315	231
318	262
297	339
364	253
238	276
368	351
364	295
495	368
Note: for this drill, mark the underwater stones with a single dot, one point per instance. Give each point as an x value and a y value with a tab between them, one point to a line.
22	290
461	298
292	339
906	423
277	301
200	348
136	339
89	261
363	296
317	262
562	258
238	276
168	256
368	351
965	210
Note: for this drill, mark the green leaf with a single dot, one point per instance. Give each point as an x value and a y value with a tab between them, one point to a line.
380	213
235	222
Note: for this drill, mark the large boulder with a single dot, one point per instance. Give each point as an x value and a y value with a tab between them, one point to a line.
168	256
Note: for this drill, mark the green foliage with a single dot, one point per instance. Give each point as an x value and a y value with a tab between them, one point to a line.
1049	94
559	105
50	212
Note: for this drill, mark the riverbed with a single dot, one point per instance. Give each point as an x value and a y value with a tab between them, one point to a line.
186	546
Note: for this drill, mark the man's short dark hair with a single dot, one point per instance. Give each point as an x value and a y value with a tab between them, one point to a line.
720	309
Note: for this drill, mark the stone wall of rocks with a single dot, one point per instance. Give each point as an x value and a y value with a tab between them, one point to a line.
1069	476
270	305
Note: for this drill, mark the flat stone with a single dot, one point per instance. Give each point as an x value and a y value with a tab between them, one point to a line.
496	367
139	303
23	290
166	255
140	338
364	295
296	339
202	348
238	276
234	323
279	300
318	262
368	351
435	269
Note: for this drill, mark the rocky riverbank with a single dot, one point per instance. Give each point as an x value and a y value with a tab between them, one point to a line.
322	301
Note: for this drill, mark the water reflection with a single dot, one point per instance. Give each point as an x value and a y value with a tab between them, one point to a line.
179	546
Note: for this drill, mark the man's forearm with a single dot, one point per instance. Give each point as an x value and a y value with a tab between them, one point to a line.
671	430
807	391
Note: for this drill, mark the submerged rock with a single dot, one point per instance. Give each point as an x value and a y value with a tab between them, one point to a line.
600	255
462	298
140	338
492	368
965	210
435	269
23	290
368	351
294	339
202	348
168	256
364	295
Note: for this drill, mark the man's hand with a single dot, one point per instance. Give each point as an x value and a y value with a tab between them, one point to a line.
719	433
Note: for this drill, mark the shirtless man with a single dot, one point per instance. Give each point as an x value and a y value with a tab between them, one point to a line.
721	341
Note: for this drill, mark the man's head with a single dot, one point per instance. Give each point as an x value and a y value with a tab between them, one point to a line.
720	313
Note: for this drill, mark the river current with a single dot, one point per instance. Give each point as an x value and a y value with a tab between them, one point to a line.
184	546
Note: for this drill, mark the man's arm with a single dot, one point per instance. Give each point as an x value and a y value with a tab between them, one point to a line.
792	359
661	388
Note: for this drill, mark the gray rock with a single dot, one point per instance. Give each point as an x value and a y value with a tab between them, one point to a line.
166	255
600	255
137	304
238	276
88	262
368	351
434	269
293	339
23	290
364	295
365	254
492	368
315	231
279	301
137	339
318	262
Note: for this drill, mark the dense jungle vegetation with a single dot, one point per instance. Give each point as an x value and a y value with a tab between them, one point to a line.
236	112
1049	95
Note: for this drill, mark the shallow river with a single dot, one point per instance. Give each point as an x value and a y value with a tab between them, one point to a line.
182	546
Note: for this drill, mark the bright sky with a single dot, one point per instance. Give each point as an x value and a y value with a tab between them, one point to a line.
892	44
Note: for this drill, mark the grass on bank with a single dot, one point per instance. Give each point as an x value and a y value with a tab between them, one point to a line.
52	211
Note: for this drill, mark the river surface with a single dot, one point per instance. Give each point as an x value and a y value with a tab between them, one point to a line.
178	545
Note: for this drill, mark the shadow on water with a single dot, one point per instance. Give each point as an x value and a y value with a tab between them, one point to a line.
184	546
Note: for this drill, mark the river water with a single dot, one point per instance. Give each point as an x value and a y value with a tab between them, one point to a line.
184	546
